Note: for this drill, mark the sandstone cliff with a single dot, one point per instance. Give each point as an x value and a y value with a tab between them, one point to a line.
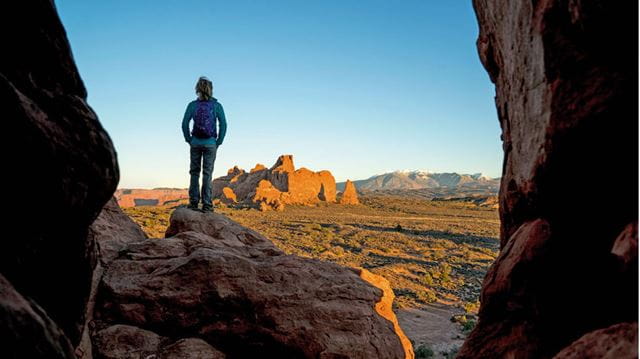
275	187
566	94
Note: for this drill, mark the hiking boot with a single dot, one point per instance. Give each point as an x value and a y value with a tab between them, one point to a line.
207	208
193	206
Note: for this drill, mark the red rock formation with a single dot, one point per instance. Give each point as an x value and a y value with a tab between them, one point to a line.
566	94
281	184
237	291
258	167
349	195
111	232
149	197
283	164
62	173
228	196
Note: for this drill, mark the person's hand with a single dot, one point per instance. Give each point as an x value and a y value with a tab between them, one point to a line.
188	140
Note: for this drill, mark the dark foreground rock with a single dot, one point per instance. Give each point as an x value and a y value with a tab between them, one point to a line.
62	169
566	96
26	330
111	232
124	341
229	286
616	341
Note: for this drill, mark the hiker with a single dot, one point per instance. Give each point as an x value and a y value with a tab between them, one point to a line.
206	113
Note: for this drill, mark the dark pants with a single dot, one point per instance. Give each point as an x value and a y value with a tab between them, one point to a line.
201	157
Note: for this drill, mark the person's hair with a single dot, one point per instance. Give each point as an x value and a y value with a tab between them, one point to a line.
204	88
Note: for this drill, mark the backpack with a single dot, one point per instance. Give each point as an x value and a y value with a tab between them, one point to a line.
204	120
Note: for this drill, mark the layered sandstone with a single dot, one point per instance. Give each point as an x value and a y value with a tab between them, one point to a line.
349	195
272	188
237	293
566	95
149	197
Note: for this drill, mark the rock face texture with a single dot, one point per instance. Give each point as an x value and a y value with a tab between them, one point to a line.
566	94
230	287
349	195
111	232
124	341
26	330
64	169
616	341
149	197
275	187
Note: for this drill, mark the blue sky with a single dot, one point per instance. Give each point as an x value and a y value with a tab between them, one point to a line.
355	87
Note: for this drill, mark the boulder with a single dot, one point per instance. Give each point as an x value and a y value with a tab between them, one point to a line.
349	195
111	232
125	341
229	286
64	171
565	74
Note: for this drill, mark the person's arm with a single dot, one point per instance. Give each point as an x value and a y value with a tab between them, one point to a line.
222	120
185	124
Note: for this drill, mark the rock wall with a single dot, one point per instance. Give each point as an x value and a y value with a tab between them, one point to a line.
274	187
566	96
61	171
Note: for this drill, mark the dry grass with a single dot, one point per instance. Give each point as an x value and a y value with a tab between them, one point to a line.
429	251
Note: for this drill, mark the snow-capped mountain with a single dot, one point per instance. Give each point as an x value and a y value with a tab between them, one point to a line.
424	179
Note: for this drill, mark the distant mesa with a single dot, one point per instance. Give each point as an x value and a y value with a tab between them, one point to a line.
349	194
149	197
273	188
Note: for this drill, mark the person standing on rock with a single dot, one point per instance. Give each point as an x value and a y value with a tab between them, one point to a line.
207	114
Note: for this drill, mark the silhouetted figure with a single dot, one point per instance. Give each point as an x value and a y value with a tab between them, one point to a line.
207	113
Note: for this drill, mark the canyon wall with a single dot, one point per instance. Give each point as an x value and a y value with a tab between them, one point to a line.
61	172
566	95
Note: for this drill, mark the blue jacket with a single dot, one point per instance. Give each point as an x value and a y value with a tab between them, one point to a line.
207	142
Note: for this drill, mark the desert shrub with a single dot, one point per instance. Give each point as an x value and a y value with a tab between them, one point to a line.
339	251
423	351
426	296
445	271
471	307
427	279
451	354
468	326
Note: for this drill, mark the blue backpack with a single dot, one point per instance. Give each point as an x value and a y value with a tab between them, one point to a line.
204	120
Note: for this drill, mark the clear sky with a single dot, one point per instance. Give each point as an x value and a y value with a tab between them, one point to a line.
355	87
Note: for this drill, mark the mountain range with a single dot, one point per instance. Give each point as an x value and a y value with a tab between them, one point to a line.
413	180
